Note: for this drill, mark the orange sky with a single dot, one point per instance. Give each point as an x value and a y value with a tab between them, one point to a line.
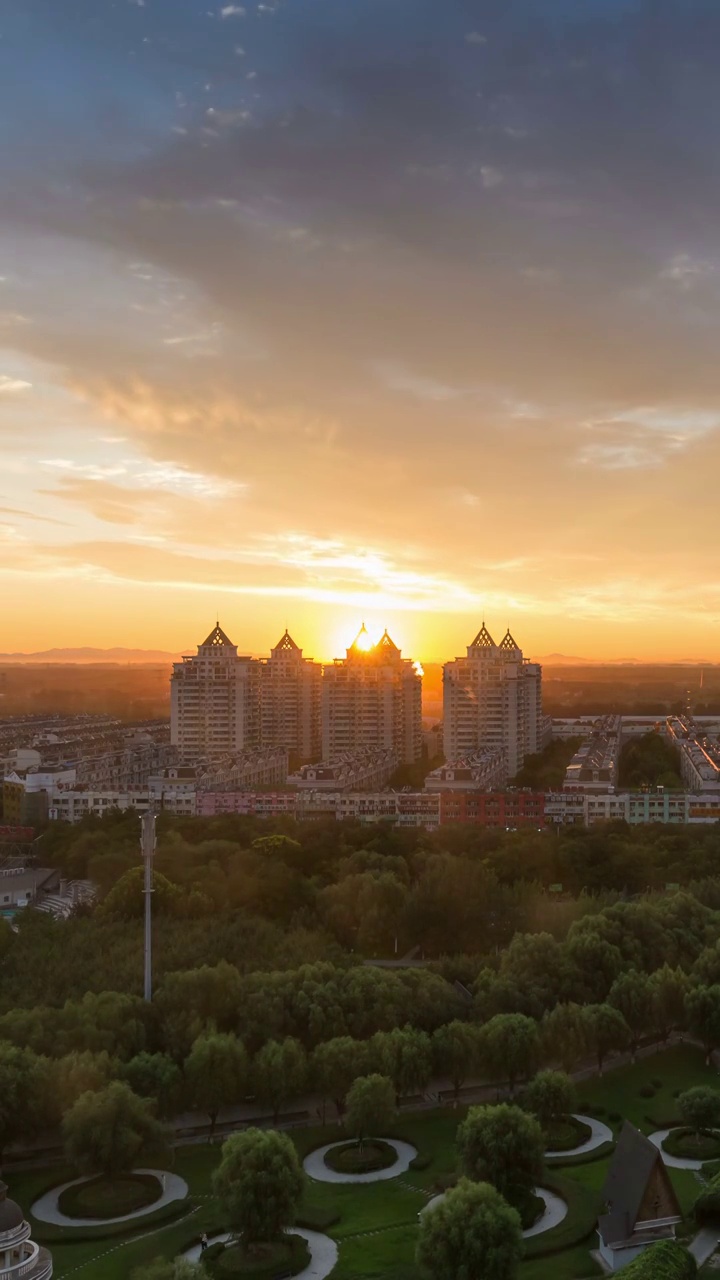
294	333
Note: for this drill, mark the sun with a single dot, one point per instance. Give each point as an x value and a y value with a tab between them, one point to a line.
362	641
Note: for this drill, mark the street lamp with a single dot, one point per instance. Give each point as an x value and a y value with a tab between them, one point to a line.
147	844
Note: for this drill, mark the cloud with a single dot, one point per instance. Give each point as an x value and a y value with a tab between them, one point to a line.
11	386
475	37
233	11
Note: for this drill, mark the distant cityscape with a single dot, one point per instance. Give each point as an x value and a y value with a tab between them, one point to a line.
285	735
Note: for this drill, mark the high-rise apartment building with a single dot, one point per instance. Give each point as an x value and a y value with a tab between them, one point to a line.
290	701
214	700
372	698
493	699
223	703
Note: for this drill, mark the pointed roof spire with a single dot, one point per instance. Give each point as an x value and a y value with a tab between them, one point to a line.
385	642
217	638
286	644
507	643
483	639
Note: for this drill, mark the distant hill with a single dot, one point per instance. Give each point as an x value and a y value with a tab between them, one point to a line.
92	655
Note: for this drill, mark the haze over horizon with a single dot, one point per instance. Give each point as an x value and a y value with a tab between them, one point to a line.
311	312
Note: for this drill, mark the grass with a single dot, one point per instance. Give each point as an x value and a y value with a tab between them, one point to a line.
110	1196
376	1225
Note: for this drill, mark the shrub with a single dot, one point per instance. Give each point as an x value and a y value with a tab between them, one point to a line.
421	1161
657	1083
647	1091
667	1260
314	1218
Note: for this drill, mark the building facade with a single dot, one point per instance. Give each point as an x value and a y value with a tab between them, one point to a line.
372	698
290	701
214	700
492	700
20	1257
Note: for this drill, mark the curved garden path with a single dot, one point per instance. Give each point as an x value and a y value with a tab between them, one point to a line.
46	1208
555	1211
323	1253
673	1162
315	1166
601	1133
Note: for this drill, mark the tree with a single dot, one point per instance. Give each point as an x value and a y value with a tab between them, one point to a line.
125	899
564	1035
702	1006
668	988
631	995
25	1094
370	1107
606	1031
550	1095
405	1056
155	1075
280	1071
216	1073
259	1183
456	1049
109	1131
510	1047
700	1107
78	1073
334	1065
473	1233
502	1145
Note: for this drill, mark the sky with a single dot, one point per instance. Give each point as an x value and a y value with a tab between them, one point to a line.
316	311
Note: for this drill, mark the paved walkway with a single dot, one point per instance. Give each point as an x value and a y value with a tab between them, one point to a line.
704	1245
673	1162
46	1208
601	1133
315	1166
323	1253
555	1211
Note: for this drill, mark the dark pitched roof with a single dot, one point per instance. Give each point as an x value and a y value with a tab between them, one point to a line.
217	637
631	1168
11	1215
483	639
286	644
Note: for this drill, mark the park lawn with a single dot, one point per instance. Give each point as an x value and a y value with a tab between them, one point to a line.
390	1255
377	1223
680	1067
572	1264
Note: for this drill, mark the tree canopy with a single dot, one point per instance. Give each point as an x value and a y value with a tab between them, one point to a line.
259	1183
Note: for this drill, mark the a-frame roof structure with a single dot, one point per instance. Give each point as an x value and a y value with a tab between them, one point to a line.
637	1188
385	642
217	638
483	639
507	644
286	644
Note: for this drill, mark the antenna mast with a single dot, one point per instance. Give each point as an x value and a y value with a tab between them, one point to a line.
147	844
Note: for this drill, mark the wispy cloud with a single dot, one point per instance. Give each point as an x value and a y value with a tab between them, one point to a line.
11	386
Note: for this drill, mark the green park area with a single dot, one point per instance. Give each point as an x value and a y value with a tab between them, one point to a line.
375	1225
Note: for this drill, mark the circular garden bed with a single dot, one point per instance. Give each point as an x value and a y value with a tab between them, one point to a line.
686	1144
567	1133
352	1158
110	1195
530	1206
261	1262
